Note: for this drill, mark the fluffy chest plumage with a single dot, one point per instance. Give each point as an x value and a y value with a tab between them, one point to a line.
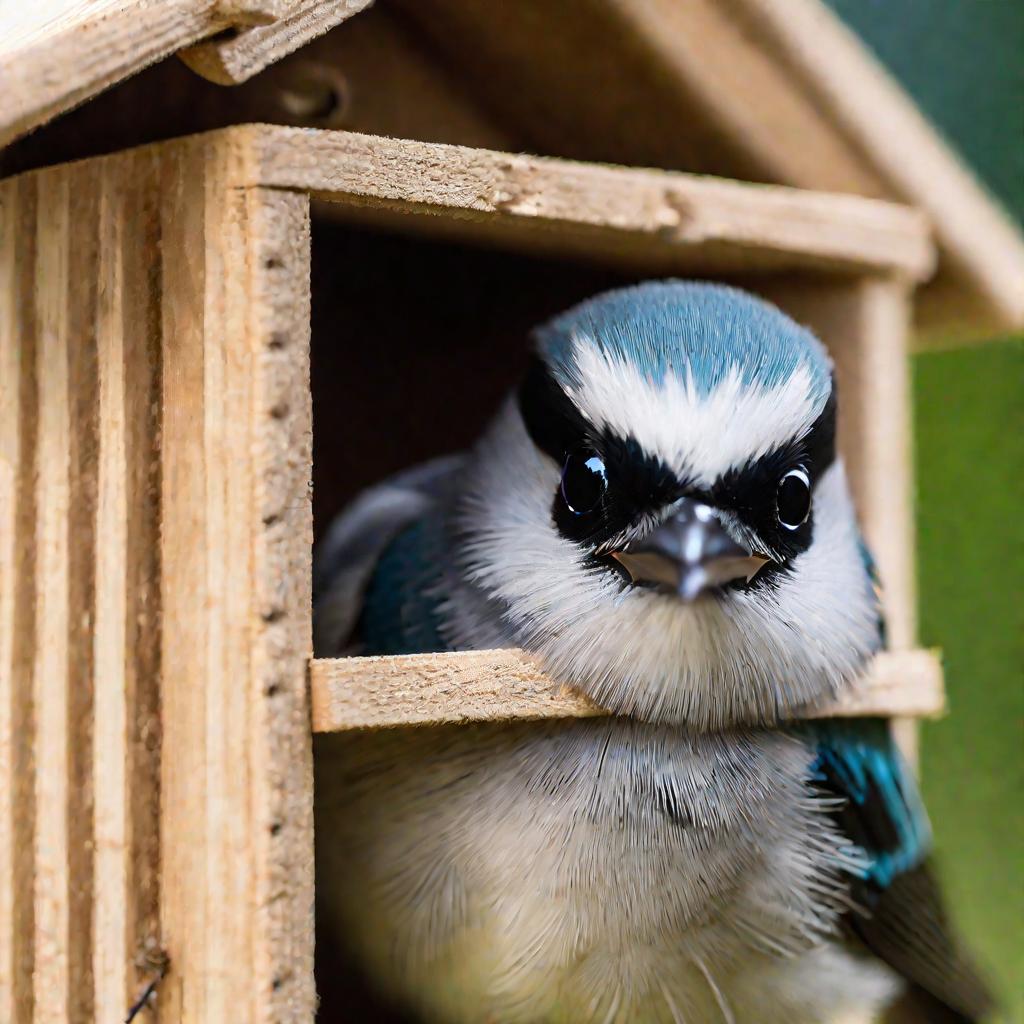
576	870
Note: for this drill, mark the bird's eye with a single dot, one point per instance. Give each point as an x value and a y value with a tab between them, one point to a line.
793	500
584	481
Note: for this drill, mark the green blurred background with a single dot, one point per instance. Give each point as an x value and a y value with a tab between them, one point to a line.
963	61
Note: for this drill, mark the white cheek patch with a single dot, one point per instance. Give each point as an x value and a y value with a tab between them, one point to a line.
695	435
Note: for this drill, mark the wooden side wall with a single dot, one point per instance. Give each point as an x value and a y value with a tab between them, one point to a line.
155	774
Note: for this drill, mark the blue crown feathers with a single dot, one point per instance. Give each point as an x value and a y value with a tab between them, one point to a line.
665	327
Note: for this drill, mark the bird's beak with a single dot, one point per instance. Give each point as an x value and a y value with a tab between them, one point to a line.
690	553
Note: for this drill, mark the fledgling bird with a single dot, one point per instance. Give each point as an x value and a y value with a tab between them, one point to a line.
659	514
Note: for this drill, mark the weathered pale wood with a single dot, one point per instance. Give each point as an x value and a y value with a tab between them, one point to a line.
83	543
236	815
155	535
19	430
10	445
126	637
509	685
52	655
277	301
243	54
656	220
55	54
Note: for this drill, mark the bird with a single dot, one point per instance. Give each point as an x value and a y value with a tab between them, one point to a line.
659	515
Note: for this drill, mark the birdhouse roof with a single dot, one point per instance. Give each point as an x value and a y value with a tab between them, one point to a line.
761	90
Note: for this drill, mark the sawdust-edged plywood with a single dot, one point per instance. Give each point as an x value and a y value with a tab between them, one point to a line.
245	52
155	533
662	222
55	54
510	685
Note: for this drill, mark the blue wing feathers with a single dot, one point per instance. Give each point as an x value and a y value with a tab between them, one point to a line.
881	809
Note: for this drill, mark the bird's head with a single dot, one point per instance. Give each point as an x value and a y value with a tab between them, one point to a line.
659	512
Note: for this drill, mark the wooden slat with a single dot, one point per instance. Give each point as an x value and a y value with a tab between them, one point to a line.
126	731
236	783
52	656
659	221
509	685
245	53
18	440
183	584
53	56
64	275
277	301
83	383
10	453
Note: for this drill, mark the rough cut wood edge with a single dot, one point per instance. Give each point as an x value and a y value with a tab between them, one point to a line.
728	223
67	59
652	221
236	787
984	249
509	685
236	59
58	54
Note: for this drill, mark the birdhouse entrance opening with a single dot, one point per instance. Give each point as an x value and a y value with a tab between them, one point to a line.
415	343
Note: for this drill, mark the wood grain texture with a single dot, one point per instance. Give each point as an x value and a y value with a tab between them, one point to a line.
236	892
155	535
126	639
657	220
51	975
249	50
55	54
19	431
509	685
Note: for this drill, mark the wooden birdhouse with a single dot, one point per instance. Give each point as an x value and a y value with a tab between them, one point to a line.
298	256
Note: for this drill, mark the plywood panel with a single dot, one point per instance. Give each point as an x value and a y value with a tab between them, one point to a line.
55	54
659	221
52	655
154	593
235	546
510	685
126	640
19	431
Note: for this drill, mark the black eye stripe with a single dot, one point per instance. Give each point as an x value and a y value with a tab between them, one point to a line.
640	482
552	420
